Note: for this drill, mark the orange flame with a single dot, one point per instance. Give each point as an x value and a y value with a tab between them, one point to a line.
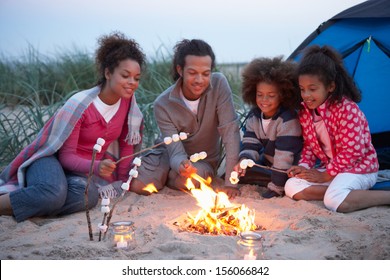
217	215
150	188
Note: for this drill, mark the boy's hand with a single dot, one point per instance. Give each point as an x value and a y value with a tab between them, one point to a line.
231	192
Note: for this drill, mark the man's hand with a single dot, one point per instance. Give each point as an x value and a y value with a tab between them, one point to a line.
186	168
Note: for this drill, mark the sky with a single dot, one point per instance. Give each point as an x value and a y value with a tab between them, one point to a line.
238	30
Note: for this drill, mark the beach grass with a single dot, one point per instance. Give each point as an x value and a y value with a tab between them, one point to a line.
33	86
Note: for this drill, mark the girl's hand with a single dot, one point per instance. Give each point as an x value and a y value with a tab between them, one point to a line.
106	167
295	170
311	175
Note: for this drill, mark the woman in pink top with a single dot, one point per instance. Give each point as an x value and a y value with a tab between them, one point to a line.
336	135
50	175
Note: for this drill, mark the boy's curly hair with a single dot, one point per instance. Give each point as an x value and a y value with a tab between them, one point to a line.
113	49
275	71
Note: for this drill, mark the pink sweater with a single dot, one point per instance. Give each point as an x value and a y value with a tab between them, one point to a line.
76	153
350	138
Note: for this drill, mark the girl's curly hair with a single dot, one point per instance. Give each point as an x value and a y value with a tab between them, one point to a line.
275	71
113	49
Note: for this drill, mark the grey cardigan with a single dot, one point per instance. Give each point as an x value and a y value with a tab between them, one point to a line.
216	120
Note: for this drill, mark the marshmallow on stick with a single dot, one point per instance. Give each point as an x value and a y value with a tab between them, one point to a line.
97	148
244	164
133	173
167	140
198	156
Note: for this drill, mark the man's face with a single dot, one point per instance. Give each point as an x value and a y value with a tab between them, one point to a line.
196	75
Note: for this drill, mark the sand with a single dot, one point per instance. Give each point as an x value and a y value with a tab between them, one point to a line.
293	230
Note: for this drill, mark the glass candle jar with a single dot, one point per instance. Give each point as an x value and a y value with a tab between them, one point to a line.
122	235
250	246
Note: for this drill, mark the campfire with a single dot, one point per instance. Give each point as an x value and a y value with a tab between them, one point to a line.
217	214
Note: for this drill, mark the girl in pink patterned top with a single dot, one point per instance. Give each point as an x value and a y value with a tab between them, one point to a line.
338	162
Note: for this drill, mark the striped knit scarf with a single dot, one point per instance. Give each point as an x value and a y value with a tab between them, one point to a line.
56	131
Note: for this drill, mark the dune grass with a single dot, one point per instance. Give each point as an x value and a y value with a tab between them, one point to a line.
34	86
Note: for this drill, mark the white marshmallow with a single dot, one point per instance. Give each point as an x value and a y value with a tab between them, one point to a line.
250	162
105	201
102	228
194	157
97	148
125	186
167	140
137	161
234	181
234	174
202	155
100	141
105	209
133	173
175	137
244	164
183	136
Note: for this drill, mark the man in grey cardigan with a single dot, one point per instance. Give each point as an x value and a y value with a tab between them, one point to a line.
200	104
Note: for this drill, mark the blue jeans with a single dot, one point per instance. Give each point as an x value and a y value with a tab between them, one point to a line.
49	191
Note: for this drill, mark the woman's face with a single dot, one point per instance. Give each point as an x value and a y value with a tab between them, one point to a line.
267	98
313	91
124	80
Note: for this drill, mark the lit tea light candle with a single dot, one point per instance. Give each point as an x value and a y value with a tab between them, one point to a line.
123	235
121	243
250	256
250	246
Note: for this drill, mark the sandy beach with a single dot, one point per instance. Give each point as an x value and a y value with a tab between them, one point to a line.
292	230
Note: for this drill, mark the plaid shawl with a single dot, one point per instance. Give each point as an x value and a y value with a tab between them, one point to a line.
56	131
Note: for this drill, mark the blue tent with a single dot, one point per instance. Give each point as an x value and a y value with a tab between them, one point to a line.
362	35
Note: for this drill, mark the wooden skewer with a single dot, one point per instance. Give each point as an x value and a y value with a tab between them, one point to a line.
139	152
86	195
144	150
270	168
112	211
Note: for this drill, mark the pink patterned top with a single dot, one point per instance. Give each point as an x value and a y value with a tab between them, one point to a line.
350	137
